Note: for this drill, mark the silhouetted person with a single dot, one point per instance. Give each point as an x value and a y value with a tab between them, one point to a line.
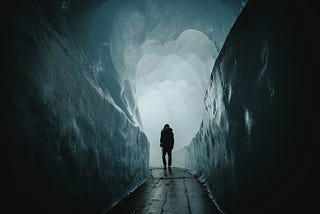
166	142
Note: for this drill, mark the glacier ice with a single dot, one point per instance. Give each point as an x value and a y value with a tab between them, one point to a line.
255	144
81	83
73	136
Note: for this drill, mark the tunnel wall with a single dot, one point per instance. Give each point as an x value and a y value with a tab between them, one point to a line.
67	144
255	146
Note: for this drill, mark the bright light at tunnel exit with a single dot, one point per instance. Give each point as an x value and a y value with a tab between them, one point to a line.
171	79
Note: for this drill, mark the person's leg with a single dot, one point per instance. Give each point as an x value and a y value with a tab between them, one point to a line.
164	158
170	157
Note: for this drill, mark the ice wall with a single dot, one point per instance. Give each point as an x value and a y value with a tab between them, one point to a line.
70	140
256	142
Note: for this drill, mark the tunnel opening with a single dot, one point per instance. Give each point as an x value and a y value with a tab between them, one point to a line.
171	81
163	54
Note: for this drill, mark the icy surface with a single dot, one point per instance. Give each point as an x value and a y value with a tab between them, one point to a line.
76	74
252	146
74	142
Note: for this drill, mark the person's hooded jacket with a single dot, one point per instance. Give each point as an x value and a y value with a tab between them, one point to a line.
167	138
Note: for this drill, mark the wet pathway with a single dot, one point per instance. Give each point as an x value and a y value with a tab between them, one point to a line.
175	191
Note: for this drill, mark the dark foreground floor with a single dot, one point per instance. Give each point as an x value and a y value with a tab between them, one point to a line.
175	191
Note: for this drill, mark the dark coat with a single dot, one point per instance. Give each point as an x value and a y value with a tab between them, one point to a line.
167	138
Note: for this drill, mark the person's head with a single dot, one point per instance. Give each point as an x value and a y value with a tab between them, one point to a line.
166	126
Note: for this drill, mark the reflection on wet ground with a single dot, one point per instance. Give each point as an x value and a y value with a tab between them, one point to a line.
168	191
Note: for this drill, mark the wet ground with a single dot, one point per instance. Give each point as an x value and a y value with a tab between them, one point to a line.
175	191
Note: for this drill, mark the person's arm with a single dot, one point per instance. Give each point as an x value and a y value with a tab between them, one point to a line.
172	139
161	139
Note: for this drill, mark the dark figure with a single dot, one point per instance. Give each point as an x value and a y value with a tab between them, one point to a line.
166	142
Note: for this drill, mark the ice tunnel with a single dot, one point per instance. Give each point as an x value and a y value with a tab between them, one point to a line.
167	66
87	86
